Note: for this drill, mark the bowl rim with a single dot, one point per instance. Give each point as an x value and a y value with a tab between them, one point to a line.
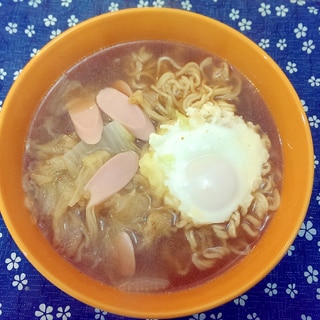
178	296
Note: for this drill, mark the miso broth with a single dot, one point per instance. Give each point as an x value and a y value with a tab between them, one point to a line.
151	235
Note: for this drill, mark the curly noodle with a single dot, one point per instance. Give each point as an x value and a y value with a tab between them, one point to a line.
190	85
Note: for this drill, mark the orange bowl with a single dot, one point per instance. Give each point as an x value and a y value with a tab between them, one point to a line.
162	24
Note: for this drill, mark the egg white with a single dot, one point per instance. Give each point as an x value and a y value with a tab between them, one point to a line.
205	164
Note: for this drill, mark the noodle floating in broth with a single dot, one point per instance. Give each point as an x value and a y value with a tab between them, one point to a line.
152	166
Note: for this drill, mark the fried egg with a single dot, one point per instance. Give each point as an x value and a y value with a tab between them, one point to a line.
205	164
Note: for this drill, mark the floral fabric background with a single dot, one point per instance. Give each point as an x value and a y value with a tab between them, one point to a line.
289	31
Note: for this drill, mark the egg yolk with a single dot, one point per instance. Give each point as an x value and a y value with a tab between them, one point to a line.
212	182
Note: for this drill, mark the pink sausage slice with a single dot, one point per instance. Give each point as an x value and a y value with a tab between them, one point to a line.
116	104
123	87
126	264
144	284
86	119
115	174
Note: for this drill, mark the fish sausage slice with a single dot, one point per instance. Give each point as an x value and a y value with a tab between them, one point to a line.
86	119
144	284
126	264
116	104
123	87
115	174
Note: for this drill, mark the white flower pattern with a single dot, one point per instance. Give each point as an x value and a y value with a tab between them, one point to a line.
34	3
13	261
314	82
316	161
198	316
29	31
291	67
234	14
292	290
3	73
72	21
311	275
158	3
114	6
12	27
299	2
34	52
313	10
217	316
307	230
63	313
241	301
291	250
264	9
305	107
100	314
264	43
44	312
245	24
253	316
282	44
54	33
142	3
281	11
314	121
66	3
186	5
300	31
50	20
20	281
271	289
308	46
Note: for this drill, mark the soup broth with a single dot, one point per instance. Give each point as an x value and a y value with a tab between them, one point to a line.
208	175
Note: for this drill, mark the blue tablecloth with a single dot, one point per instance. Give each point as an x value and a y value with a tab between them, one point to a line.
289	31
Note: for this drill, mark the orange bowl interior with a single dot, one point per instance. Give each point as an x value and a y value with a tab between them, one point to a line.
162	24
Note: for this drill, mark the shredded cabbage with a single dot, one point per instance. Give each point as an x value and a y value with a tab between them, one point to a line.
63	171
115	139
